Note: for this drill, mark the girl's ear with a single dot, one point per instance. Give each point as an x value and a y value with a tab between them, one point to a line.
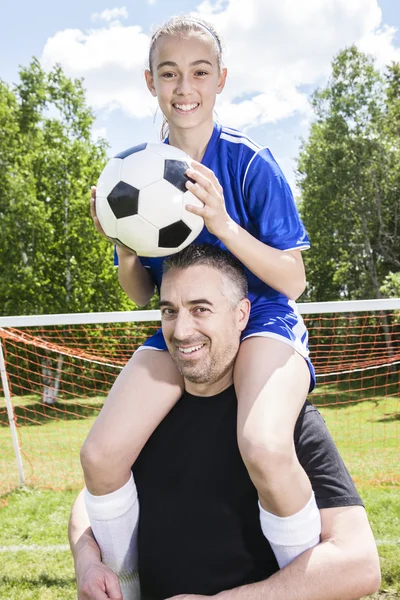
150	82
222	80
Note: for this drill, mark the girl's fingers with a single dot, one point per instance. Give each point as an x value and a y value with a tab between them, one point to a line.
196	210
93	208
203	182
198	191
204	176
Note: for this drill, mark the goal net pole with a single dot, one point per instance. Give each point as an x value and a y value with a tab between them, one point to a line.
10	413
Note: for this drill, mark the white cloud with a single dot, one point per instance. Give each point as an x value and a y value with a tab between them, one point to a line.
111	60
110	14
273	50
380	44
151	2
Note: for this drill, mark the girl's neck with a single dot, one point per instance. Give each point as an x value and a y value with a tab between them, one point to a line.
192	141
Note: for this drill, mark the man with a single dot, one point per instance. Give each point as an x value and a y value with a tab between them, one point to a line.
199	532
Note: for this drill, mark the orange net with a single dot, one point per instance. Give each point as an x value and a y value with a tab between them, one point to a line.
59	376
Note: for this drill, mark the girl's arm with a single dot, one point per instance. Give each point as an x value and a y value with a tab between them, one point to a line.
135	280
283	270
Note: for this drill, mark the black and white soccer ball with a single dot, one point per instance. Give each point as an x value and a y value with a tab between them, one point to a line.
141	198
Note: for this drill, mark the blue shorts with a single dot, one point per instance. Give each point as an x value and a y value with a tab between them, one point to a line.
288	327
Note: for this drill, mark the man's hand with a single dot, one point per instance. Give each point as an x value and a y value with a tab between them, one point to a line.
187	597
95	581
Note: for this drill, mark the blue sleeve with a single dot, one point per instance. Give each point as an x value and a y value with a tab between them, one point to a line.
145	261
271	205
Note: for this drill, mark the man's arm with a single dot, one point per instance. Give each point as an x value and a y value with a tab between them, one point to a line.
344	566
94	580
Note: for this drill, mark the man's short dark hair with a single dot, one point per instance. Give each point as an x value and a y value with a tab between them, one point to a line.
210	256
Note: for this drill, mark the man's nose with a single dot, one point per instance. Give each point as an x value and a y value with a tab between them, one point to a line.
183	325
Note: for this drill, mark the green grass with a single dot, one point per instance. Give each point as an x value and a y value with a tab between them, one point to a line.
50	439
367	434
38	565
33	522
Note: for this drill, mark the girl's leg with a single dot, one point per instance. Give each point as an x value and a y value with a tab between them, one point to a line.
142	395
145	391
272	382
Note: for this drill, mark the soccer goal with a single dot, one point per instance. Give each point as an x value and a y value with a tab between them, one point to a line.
56	371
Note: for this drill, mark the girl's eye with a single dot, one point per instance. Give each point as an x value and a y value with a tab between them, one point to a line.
167	75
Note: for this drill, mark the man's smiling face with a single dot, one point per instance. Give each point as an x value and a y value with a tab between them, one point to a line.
202	326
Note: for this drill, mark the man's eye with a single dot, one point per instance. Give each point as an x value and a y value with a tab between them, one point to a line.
201	309
167	75
201	73
167	312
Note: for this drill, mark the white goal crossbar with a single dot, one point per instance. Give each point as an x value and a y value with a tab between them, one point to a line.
306	308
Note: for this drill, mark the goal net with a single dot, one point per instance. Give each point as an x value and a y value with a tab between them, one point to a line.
57	369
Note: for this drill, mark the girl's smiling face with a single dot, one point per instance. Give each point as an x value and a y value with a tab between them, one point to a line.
185	77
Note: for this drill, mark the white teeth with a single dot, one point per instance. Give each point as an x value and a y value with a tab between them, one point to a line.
186	106
190	350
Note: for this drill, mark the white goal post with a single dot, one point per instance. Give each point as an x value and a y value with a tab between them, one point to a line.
305	308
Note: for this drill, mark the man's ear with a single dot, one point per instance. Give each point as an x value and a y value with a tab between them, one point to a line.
243	313
150	82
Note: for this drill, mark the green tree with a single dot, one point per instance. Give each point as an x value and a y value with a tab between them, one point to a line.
52	260
348	174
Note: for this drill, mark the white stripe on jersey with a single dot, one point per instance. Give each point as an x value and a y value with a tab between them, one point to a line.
239	140
247	168
235	137
304	247
239	134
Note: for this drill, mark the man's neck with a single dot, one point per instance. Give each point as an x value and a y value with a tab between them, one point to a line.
209	389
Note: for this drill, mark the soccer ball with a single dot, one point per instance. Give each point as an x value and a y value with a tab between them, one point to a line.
141	198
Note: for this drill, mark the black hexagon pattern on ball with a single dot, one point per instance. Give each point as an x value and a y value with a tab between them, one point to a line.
130	151
173	235
123	200
174	172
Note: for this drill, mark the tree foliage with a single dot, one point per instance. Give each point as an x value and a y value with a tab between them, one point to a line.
52	260
349	177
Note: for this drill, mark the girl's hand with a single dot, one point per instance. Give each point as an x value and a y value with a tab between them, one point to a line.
208	189
93	211
121	250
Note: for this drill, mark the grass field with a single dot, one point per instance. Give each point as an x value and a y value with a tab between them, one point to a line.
35	563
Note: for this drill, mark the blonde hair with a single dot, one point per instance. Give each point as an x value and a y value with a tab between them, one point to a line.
184	25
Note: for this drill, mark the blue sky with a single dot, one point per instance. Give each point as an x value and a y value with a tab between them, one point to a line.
277	53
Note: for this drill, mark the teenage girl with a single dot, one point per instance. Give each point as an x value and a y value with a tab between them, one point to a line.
249	211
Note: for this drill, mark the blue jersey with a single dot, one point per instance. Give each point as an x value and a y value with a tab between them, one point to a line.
257	196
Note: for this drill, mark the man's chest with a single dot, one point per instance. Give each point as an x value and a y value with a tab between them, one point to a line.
199	525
